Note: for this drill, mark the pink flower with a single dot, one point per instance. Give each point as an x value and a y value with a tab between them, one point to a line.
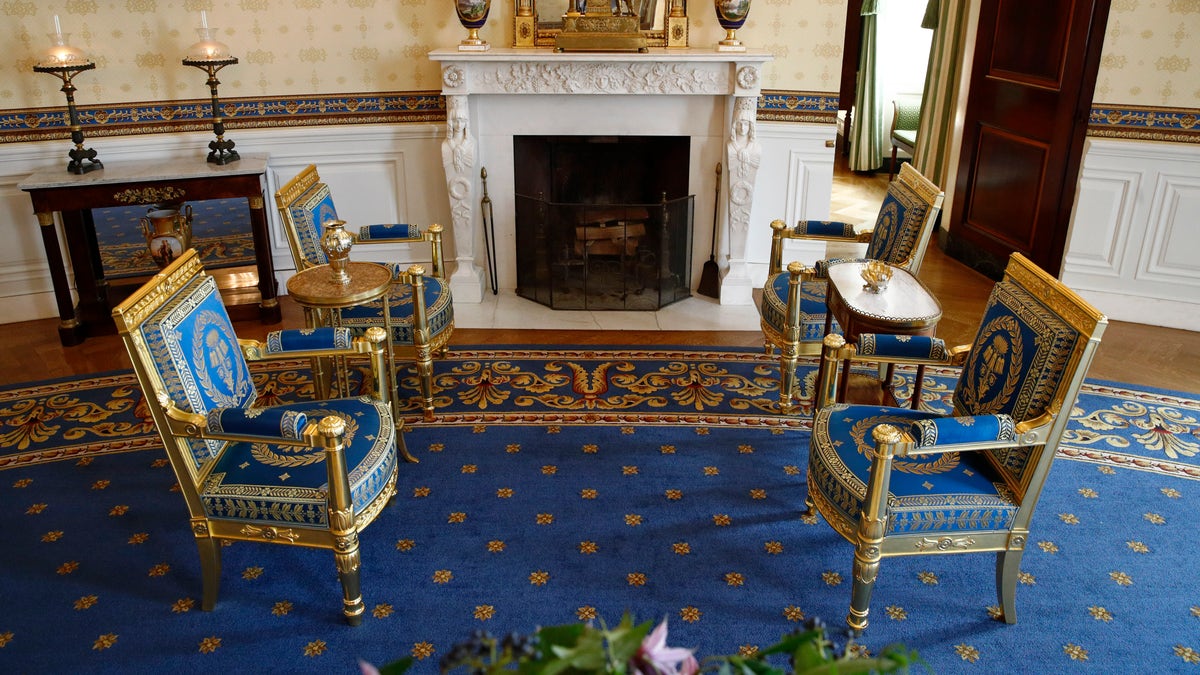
654	657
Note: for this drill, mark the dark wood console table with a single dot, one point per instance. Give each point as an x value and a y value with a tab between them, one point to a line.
125	184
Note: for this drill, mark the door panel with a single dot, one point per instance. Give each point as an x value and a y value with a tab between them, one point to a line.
1031	86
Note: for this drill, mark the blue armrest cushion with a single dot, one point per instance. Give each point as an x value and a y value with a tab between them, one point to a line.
824	228
902	346
307	339
256	422
967	429
389	232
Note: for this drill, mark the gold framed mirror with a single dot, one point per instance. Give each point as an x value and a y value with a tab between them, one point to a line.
537	23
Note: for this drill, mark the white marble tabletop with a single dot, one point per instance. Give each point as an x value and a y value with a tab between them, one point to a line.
146	171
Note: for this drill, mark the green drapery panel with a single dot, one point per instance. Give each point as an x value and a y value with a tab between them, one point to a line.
866	133
935	137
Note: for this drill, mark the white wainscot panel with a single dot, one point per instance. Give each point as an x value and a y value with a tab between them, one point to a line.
1173	254
1134	244
1105	202
795	183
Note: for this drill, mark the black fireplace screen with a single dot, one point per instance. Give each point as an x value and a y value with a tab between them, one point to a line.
603	222
613	256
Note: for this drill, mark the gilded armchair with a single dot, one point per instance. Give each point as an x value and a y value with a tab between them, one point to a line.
305	205
312	473
793	311
895	481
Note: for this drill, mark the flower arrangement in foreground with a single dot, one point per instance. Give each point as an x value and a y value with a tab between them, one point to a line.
636	649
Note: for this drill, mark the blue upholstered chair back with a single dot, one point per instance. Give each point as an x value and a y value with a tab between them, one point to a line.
898	226
195	354
1023	361
309	213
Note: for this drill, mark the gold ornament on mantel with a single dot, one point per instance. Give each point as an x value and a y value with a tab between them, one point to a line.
336	243
877	274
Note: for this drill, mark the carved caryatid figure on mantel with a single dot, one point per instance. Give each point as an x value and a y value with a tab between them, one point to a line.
601	25
458	161
743	155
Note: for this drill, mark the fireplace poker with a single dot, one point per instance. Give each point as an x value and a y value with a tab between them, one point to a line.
489	231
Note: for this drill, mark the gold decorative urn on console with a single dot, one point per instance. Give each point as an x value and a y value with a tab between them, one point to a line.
600	28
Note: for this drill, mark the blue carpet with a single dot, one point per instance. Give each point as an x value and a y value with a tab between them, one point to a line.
568	483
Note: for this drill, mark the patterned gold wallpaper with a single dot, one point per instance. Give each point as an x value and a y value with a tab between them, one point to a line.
291	47
1151	54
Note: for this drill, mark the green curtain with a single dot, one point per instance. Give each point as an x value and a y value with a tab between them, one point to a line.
866	133
935	137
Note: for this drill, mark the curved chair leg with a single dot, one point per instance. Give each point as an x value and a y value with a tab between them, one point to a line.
210	565
1008	565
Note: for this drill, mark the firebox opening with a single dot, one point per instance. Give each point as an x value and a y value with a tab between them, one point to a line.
603	222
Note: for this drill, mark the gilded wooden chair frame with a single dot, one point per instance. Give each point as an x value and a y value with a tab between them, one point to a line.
1035	439
194	447
794	334
418	342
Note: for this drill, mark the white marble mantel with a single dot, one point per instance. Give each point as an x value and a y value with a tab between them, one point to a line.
492	96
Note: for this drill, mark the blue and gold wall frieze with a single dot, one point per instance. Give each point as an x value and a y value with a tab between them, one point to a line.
37	124
1173	125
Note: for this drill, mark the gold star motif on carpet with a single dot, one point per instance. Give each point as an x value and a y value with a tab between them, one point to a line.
586	613
633	519
209	644
1137	547
1088	493
419	492
667	449
159	570
1171	492
1121	578
549	470
35	509
539	578
422	650
629	471
504	493
252	572
896	612
382	611
831	578
512	448
457	517
405	544
182	605
928	578
1188	654
588	547
315	648
442	576
281	608
484	612
967	652
1048	546
104	641
721	520
588	493
86	602
119	510
495	546
1100	614
1155	518
674	495
793	613
734	579
1069	518
636	579
681	548
545	518
1076	652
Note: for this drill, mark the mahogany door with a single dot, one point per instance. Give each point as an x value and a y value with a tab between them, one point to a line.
1031	89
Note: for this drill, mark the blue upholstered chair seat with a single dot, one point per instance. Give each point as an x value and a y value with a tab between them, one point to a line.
812	307
439	312
940	493
274	484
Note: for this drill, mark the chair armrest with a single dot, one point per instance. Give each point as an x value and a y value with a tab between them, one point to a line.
389	233
966	429
910	348
823	229
293	343
308	339
262	422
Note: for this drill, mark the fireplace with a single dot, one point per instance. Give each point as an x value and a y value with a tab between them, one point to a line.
493	98
603	222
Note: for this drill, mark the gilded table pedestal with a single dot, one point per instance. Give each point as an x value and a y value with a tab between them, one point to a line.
323	298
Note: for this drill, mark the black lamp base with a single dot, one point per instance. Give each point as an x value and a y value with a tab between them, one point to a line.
221	152
78	157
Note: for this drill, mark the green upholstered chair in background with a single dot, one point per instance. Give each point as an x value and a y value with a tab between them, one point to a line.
906	118
793	308
305	204
895	481
313	473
